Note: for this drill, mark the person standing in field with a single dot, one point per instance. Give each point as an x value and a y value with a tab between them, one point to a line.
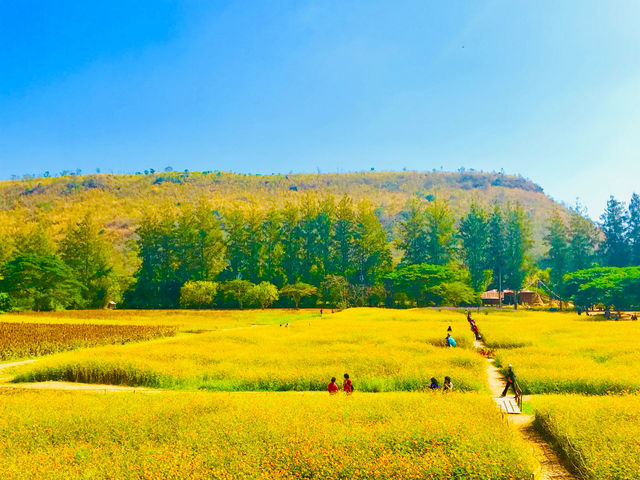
434	384
511	381
347	386
447	386
333	387
450	341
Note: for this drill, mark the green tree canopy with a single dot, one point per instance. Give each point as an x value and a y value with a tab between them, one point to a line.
198	294
298	291
40	282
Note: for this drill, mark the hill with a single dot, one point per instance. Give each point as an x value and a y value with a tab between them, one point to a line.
117	201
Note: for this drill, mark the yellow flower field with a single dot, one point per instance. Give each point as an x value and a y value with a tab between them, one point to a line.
382	350
600	436
256	435
185	320
563	352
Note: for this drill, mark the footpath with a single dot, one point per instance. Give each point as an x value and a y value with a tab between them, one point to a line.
549	465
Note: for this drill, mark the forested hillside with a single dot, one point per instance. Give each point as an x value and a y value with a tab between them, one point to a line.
118	201
151	239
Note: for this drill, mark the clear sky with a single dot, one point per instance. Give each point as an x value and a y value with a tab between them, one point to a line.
547	89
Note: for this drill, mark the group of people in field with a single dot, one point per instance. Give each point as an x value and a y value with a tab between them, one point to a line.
347	385
447	385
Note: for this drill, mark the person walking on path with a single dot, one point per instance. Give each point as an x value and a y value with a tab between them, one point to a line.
333	387
511	381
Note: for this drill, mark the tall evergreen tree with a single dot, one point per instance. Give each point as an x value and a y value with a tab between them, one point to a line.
614	249
272	250
517	245
343	238
371	255
412	234
175	248
633	230
583	240
88	253
474	237
439	233
496	251
557	257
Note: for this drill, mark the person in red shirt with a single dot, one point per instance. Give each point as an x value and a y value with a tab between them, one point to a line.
333	386
347	386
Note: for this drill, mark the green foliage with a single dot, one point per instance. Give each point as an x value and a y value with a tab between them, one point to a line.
86	251
557	259
614	287
335	290
40	282
633	230
428	284
174	249
198	294
474	238
371	256
517	245
297	291
583	240
5	302
263	294
614	248
237	290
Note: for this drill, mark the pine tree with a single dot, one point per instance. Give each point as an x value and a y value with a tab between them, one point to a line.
583	239
557	258
496	250
633	230
371	255
342	243
517	245
87	252
614	249
474	237
440	233
412	234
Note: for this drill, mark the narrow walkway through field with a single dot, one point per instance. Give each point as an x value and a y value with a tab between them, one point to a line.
549	466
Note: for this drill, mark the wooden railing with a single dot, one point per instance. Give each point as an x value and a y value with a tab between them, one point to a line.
518	395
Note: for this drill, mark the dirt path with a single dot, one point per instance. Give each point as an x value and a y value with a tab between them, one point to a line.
549	466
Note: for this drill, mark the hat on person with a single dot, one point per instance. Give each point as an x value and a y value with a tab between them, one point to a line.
509	365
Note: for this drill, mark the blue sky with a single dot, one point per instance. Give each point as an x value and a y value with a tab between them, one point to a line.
550	90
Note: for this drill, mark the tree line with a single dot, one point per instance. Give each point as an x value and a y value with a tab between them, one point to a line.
321	251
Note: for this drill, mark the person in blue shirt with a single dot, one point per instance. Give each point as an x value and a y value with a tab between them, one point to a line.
450	341
434	384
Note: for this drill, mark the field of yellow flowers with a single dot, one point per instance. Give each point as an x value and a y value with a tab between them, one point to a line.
184	320
598	435
382	350
556	352
63	435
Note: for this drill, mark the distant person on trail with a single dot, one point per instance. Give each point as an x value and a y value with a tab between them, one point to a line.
511	381
347	386
450	341
476	332
434	384
333	386
449	329
447	386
